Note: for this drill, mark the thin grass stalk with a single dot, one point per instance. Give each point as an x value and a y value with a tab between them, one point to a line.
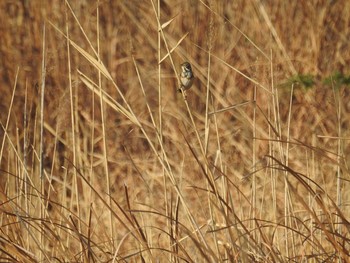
224	182
160	103
160	116
212	181
162	154
206	127
42	95
92	141
52	174
311	203
254	205
210	35
286	215
339	147
290	207
34	198
337	99
278	148
25	148
211	178
41	161
18	182
310	173
104	137
73	128
154	127
271	146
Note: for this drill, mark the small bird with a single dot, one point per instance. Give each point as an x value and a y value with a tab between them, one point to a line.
186	77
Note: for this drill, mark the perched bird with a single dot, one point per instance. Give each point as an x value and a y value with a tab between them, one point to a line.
186	76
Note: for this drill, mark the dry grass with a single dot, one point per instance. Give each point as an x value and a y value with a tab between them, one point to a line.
103	161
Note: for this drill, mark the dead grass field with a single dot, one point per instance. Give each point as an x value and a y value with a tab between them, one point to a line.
102	160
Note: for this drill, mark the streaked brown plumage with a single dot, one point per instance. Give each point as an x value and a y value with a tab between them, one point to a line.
186	76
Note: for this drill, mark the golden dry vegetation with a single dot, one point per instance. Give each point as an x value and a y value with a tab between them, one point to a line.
102	160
